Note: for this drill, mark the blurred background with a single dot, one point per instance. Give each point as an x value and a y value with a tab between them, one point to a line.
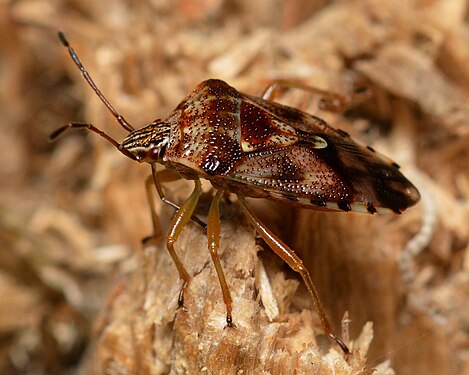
73	212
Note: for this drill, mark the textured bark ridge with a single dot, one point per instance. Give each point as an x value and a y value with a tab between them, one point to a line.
144	332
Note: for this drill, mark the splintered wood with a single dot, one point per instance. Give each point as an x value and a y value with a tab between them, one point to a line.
205	345
80	291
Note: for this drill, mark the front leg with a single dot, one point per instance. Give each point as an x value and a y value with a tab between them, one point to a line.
155	179
180	219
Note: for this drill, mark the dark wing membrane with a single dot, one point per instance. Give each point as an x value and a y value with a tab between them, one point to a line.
341	176
302	121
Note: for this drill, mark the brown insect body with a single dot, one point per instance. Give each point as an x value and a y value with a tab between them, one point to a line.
254	147
258	148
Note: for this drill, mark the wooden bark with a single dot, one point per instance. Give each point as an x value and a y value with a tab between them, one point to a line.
144	332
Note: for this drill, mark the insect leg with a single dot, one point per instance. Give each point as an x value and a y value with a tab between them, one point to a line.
289	256
329	101
154	216
213	234
179	221
157	177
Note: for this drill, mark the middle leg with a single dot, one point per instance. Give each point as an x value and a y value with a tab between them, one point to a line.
213	234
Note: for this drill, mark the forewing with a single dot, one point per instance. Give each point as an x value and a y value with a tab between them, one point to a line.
292	172
338	174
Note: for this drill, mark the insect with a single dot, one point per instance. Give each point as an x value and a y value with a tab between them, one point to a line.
255	147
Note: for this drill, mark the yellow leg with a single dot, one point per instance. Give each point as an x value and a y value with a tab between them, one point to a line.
154	216
213	234
289	256
167	176
155	179
330	101
180	219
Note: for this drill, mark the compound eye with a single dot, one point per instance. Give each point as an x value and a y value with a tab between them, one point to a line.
153	153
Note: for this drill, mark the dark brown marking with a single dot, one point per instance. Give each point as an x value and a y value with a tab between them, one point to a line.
257	128
343	133
221	156
395	165
318	203
361	89
370	208
291	198
371	148
289	114
344	206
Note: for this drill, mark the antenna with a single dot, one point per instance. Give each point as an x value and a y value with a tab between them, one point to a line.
120	119
83	125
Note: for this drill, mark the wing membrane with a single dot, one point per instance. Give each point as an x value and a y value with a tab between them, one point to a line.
342	175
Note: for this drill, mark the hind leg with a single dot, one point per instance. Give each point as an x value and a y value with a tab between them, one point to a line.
329	101
289	256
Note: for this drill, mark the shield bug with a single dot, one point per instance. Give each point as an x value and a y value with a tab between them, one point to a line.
254	147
